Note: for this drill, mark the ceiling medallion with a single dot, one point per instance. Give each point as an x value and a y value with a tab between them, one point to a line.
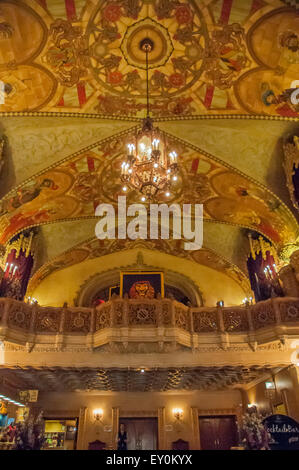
151	166
157	34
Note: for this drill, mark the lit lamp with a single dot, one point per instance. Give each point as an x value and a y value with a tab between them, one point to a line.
178	413
247	301
252	407
270	390
98	414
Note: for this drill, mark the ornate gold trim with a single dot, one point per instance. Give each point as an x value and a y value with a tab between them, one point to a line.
195	117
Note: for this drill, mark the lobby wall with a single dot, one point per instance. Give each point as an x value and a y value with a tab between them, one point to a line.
63	285
143	404
287	392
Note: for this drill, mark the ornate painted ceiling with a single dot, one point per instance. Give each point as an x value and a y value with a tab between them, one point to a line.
210	57
75	86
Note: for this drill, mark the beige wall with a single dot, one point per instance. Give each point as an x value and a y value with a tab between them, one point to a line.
139	405
63	286
287	385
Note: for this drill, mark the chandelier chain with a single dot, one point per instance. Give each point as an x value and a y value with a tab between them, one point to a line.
147	85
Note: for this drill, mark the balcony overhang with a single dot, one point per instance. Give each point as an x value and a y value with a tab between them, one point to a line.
134	333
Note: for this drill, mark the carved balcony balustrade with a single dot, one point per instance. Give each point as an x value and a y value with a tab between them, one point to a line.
158	321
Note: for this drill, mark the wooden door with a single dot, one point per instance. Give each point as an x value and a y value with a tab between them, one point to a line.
226	433
217	432
207	431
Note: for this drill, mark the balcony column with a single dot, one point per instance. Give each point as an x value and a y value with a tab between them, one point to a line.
5	306
90	338
115	427
126	312
160	327
82	429
224	337
275	307
125	324
59	336
191	322
173	322
249	318
195	429
251	333
220	319
31	335
161	429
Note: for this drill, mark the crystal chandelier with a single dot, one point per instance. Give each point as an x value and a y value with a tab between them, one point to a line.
151	166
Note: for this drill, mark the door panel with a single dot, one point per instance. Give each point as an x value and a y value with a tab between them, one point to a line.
207	434
227	433
217	432
142	433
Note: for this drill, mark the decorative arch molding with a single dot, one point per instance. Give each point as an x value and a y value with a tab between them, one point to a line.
53	264
110	277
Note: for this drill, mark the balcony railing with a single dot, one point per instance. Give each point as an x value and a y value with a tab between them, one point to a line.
118	314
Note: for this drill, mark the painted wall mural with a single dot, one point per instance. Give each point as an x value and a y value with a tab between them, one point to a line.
73	189
212	57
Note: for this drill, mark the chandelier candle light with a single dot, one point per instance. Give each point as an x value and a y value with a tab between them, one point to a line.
151	166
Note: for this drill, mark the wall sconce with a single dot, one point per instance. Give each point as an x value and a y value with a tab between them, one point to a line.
177	413
98	414
270	385
247	301
270	389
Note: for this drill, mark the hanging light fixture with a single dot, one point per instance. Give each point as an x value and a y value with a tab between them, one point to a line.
151	166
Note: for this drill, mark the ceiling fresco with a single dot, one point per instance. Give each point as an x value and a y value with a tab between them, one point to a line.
220	82
33	144
74	187
72	233
216	57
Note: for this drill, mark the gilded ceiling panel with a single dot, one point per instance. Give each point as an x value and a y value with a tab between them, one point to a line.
33	144
252	147
209	58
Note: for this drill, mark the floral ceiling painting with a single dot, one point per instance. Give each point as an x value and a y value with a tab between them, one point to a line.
73	188
213	57
79	61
